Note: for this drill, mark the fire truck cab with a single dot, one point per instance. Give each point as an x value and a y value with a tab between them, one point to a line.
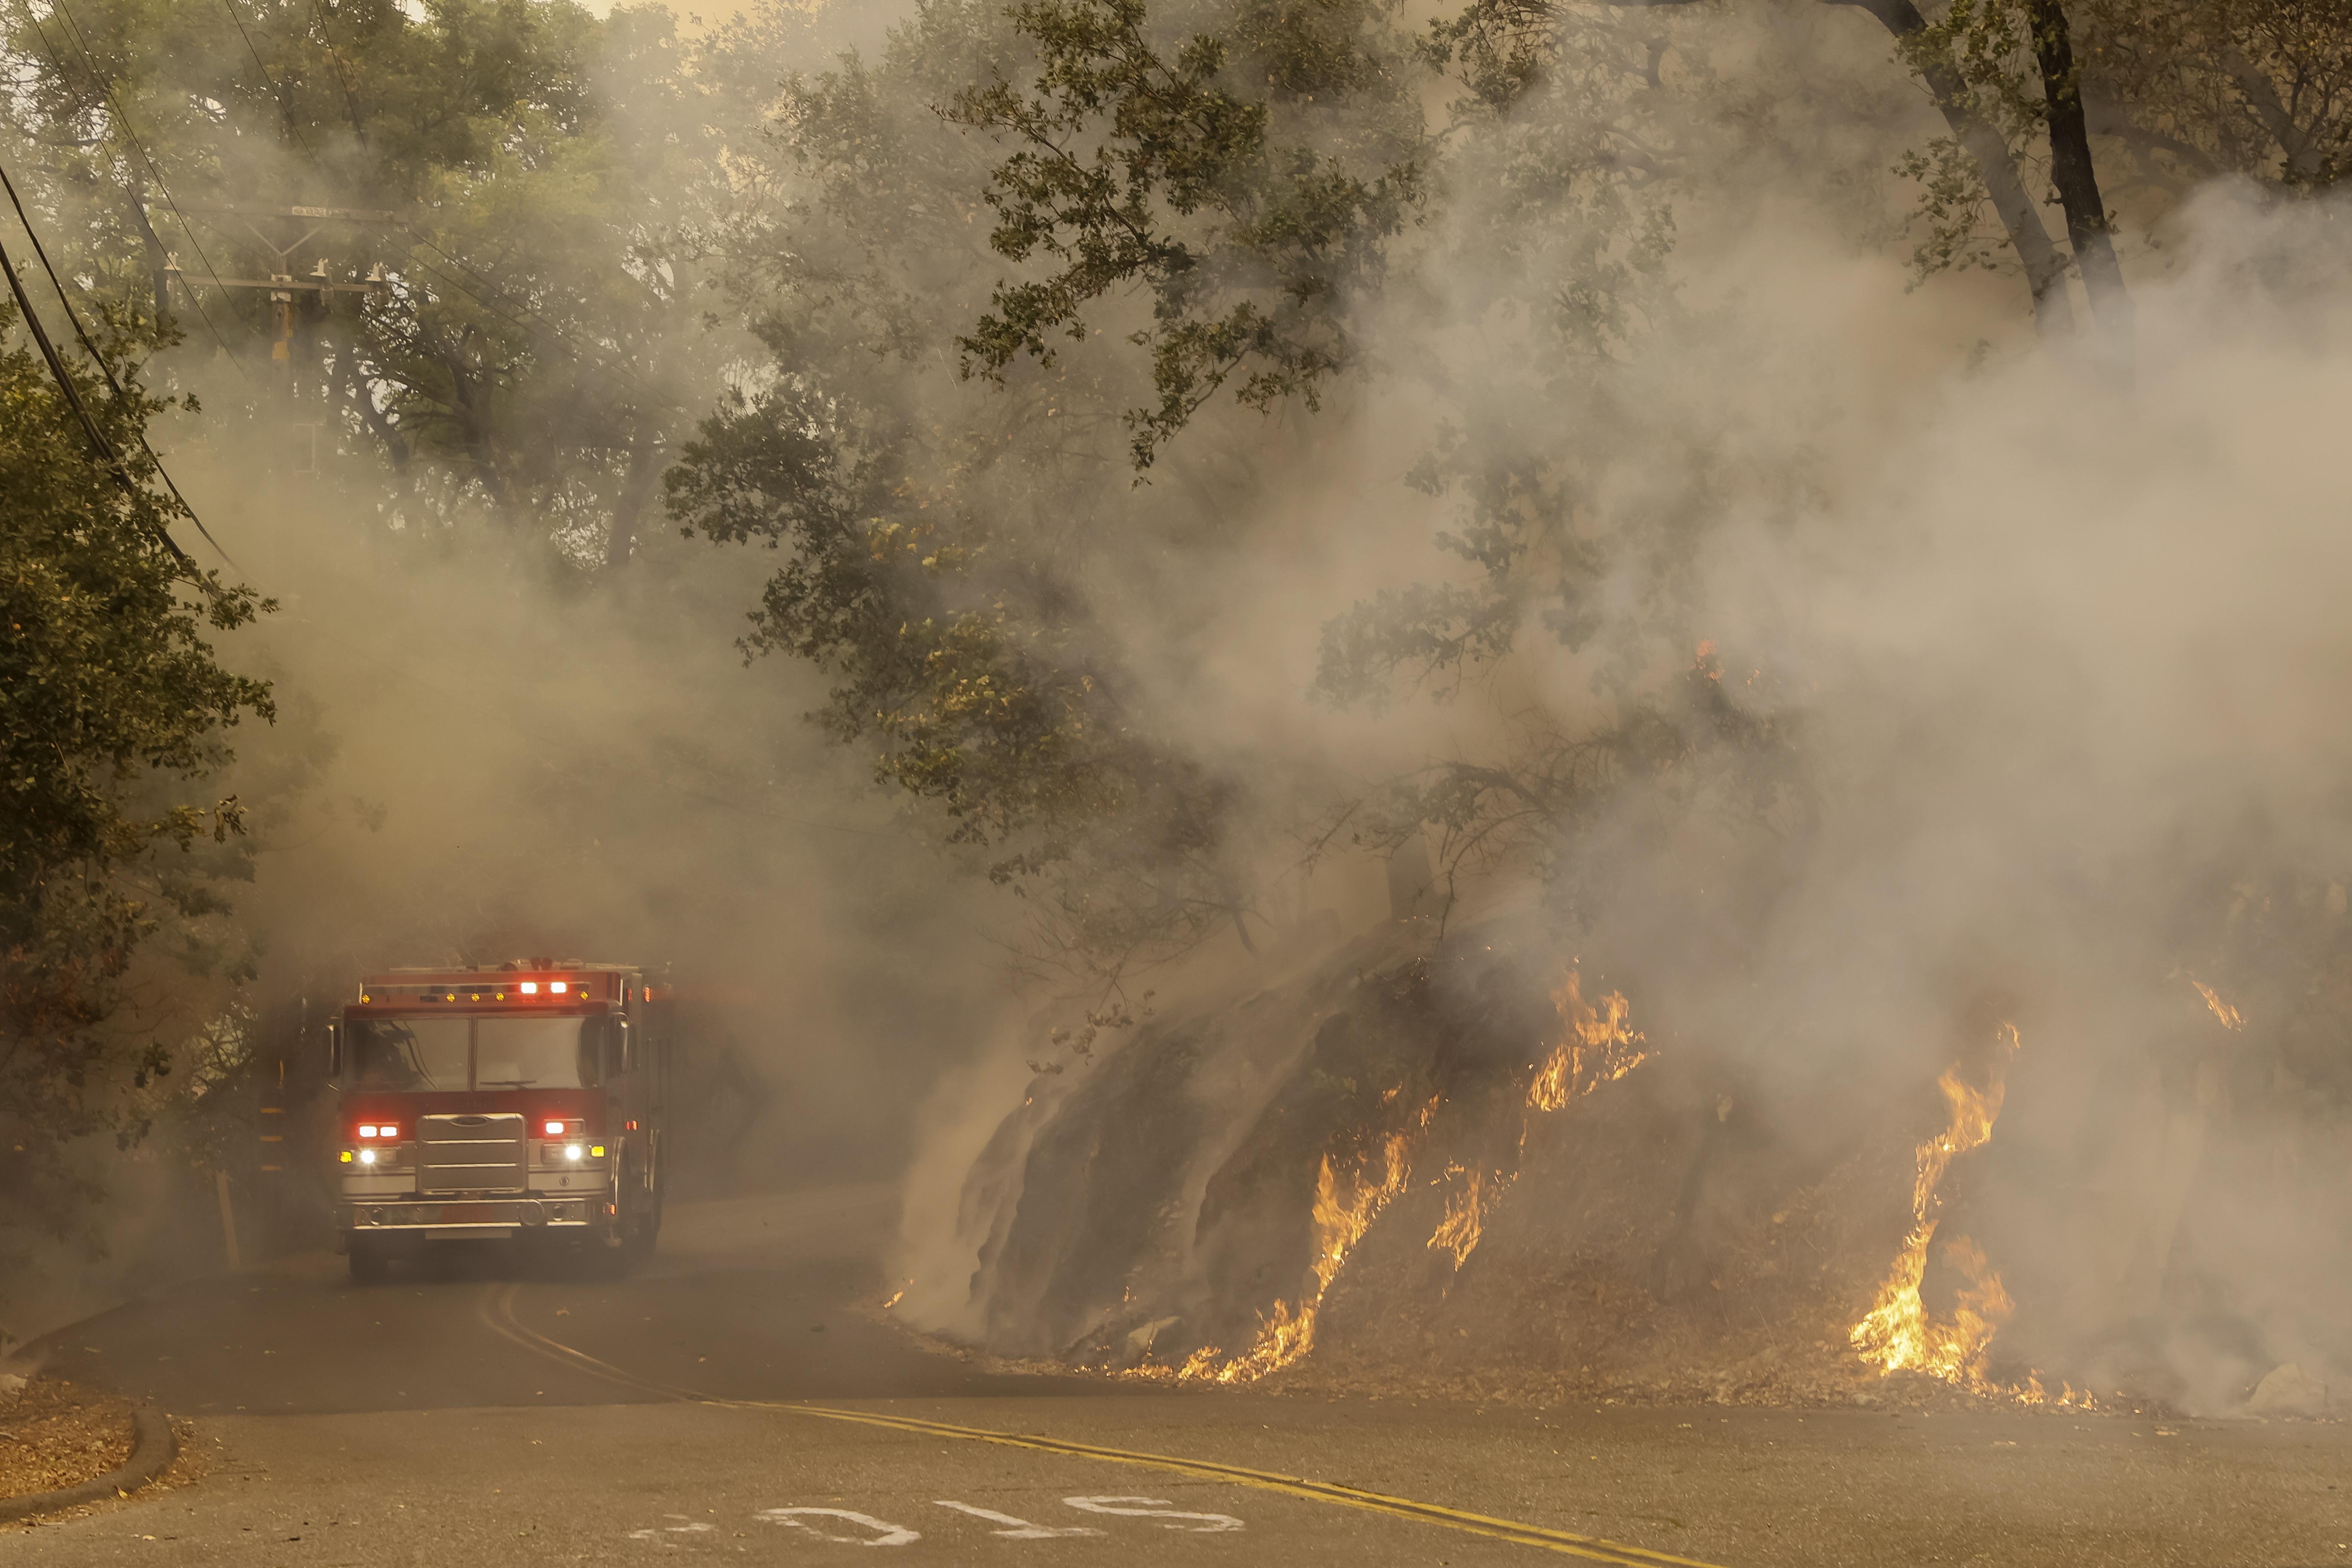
525	1101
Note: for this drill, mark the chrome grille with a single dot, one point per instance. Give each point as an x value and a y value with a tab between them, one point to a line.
471	1153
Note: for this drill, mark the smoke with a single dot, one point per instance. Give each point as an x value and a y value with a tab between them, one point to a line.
508	763
2038	669
483	754
2060	656
2068	663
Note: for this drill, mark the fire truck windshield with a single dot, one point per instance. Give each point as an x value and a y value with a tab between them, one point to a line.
457	1053
537	1053
410	1053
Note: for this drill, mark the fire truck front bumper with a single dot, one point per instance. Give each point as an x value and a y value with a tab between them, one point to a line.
470	1219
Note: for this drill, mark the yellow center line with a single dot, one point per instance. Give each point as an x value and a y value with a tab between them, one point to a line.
498	1314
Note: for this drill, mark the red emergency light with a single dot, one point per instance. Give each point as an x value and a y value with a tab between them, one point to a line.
475	986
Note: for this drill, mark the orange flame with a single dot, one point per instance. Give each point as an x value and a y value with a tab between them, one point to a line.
1897	1333
1465	1213
1345	1202
1597	1046
2231	1018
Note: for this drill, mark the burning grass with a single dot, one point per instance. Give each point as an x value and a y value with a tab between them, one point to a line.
1497	1203
1597	1045
1472	1192
1898	1334
1354	1186
1346	1204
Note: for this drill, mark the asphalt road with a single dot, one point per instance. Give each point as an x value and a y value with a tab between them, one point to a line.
733	1400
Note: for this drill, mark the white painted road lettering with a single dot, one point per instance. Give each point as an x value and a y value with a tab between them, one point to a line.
1022	1530
847	1527
1155	1508
885	1533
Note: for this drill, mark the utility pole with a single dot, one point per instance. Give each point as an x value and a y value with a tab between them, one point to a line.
281	232
282	284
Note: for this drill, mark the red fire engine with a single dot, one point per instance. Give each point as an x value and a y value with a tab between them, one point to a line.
525	1101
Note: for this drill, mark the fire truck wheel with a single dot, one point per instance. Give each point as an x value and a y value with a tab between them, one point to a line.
368	1265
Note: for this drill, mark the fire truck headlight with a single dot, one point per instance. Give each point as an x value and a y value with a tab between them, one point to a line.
571	1150
367	1156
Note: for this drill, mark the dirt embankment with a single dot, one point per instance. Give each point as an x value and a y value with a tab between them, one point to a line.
1357	1163
1438	1167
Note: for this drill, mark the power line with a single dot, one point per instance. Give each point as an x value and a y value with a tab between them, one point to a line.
72	395
343	77
123	120
294	126
285	104
645	388
104	369
478	291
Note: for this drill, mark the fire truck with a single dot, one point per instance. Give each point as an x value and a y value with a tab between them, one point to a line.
524	1102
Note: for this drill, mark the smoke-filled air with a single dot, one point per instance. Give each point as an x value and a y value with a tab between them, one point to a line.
1527	702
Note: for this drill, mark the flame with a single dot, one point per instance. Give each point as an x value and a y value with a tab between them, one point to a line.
1466	1208
896	1297
2229	1016
1897	1333
1346	1201
1596	1046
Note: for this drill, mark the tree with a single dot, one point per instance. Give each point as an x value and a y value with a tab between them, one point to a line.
958	558
1251	220
113	709
548	171
2189	90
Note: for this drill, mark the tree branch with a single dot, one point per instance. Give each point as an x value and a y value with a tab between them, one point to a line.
2045	269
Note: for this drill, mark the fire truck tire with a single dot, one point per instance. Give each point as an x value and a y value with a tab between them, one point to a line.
368	1265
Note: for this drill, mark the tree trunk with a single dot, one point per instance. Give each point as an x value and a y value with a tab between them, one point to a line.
2302	164
645	467
470	401
2045	269
2072	172
362	401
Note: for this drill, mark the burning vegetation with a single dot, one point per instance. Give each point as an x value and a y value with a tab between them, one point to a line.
1597	1045
1492	1201
1359	1180
1345	1208
1898	1333
1467	1206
